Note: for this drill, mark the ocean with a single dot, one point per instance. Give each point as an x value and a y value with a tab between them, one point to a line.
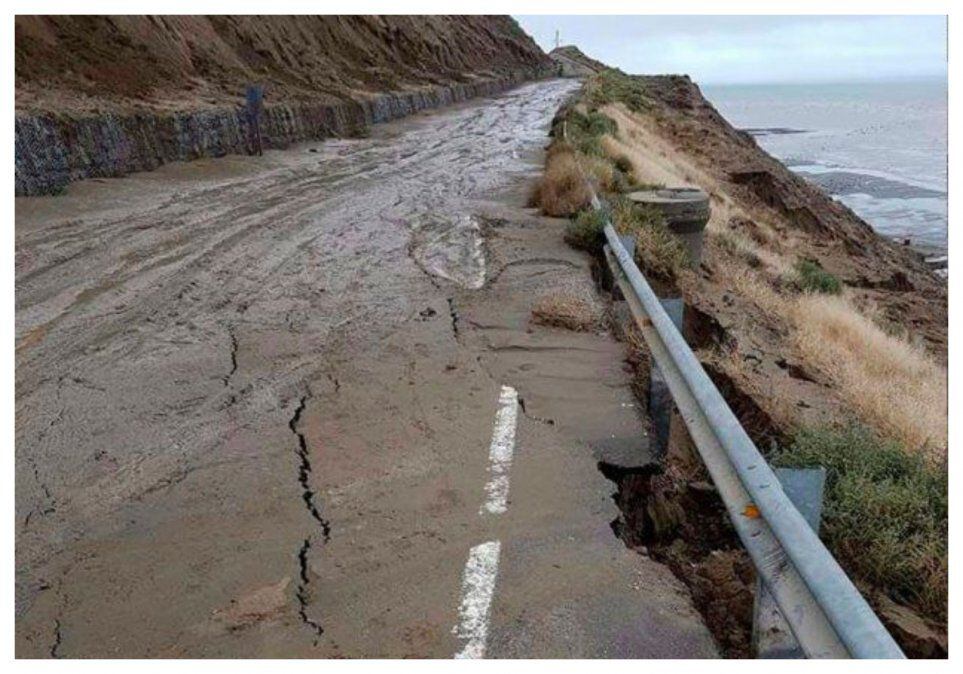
880	147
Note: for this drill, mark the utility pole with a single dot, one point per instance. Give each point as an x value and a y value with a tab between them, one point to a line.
558	41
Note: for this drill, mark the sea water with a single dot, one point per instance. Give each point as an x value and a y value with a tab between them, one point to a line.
878	147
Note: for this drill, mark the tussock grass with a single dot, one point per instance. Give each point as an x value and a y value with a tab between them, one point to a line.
562	190
601	172
885	515
585	131
562	310
892	384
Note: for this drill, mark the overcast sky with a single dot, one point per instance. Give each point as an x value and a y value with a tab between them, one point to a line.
747	49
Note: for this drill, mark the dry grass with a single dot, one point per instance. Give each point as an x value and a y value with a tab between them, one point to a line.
746	255
561	191
601	172
657	251
560	310
893	385
654	160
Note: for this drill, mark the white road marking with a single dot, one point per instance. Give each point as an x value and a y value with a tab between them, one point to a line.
478	582
501	451
477	589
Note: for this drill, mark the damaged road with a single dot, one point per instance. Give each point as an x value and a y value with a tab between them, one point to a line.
255	401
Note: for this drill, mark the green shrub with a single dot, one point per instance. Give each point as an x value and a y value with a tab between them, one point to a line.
585	131
624	178
614	86
590	146
885	514
586	230
811	277
591	124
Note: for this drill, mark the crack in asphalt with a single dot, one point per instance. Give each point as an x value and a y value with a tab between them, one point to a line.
542	420
304	469
303	594
58	639
453	313
227	378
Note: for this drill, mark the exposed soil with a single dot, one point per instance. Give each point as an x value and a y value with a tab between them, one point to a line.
683	524
97	64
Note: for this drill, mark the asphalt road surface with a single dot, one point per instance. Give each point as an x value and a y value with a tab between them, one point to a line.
295	406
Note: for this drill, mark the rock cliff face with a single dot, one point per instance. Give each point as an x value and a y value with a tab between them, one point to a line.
105	96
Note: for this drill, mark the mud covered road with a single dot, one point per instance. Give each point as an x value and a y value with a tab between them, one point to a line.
294	406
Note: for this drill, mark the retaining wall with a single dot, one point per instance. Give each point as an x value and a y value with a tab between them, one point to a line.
53	150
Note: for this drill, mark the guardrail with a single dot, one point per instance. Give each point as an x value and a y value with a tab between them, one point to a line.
827	615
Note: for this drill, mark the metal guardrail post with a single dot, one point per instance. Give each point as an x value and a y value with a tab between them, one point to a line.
660	398
772	637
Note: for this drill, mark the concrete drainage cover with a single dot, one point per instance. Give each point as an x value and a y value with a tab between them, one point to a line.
450	247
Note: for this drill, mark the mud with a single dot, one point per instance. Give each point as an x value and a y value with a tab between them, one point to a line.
255	396
175	329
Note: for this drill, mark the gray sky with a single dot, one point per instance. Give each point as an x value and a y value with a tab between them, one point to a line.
746	49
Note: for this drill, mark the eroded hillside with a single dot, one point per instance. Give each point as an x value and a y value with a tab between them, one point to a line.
118	63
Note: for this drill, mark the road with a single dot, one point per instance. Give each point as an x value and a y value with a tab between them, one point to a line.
294	406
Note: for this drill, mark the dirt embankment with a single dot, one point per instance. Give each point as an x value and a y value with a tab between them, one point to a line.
97	64
105	96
